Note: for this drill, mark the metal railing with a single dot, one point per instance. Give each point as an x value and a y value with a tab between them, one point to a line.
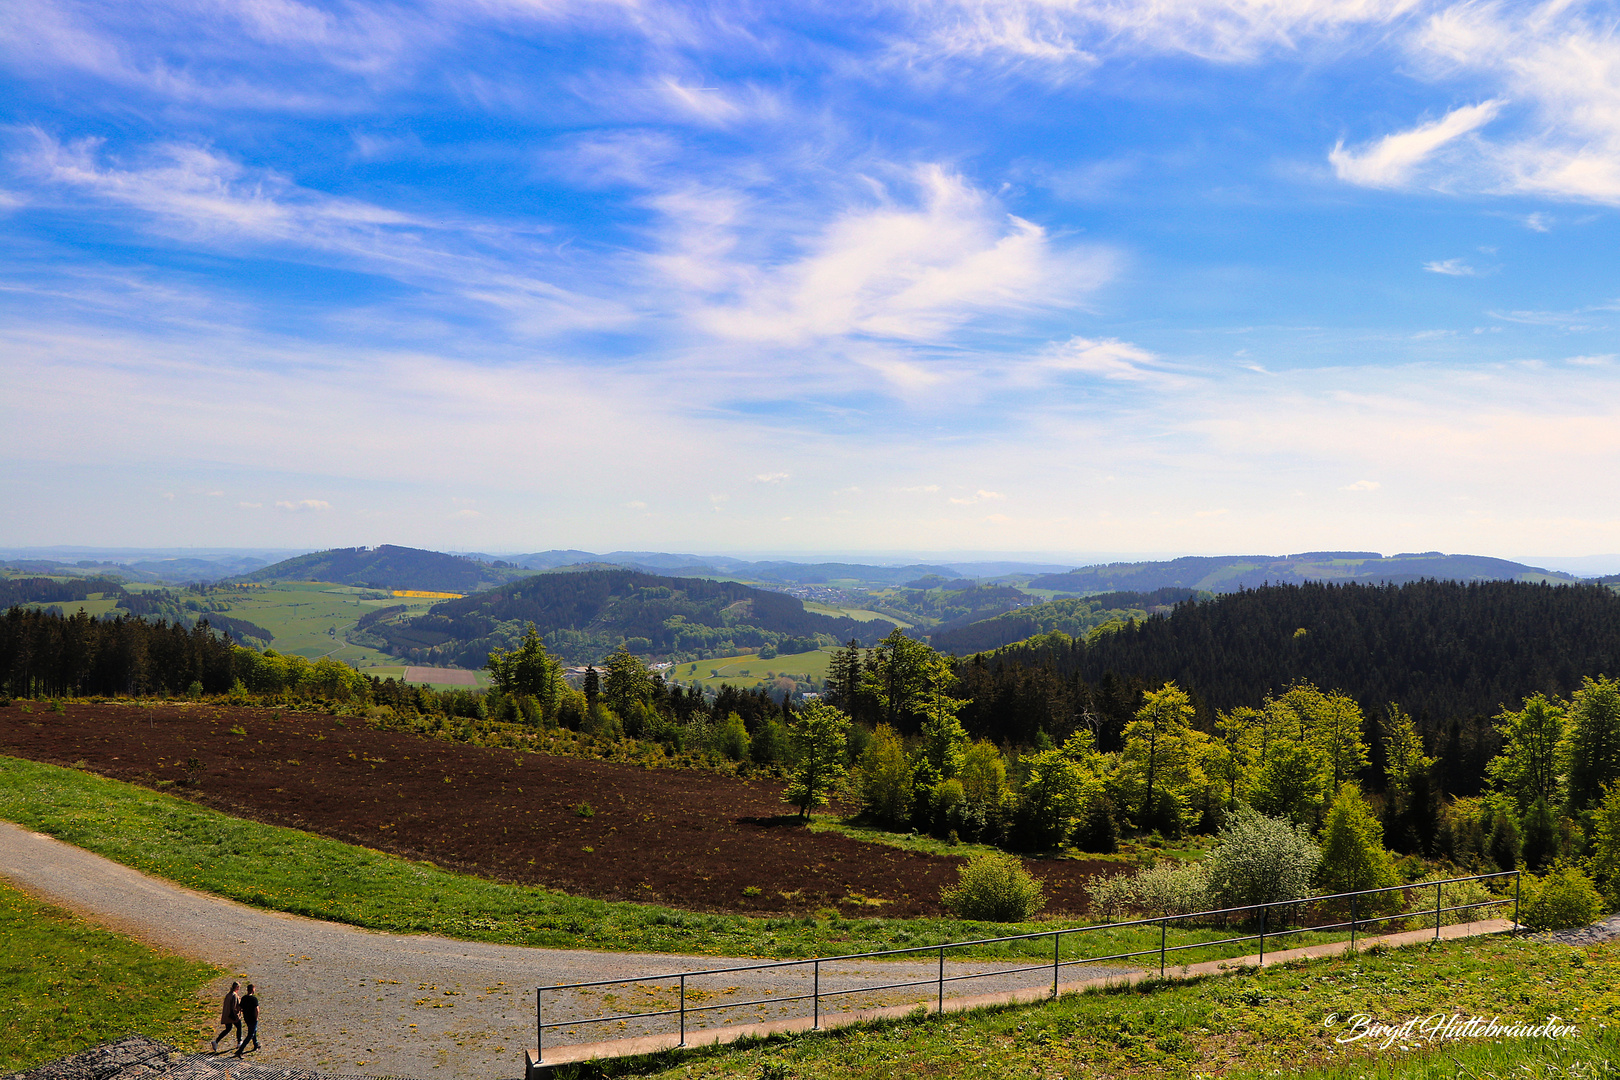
1256	912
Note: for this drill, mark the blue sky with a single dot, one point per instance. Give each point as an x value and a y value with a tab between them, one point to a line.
1054	276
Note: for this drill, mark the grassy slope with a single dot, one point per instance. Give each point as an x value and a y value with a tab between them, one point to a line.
66	986
298	872
299	614
805	665
1275	1022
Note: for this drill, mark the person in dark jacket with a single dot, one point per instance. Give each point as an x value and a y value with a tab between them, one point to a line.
250	1016
230	1016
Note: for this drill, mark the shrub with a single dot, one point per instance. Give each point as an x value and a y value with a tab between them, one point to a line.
1456	894
1172	888
1259	860
996	888
1564	899
1111	898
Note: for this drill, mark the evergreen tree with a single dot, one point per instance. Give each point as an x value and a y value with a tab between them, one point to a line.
1503	845
527	670
1540	848
1353	854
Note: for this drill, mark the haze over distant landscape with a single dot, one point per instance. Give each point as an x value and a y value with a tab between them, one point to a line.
1001	279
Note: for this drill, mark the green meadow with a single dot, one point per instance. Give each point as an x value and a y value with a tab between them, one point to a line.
747	670
309	618
1297	1019
66	985
859	614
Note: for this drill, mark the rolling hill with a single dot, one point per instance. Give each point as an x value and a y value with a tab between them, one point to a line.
390	567
586	615
1229	573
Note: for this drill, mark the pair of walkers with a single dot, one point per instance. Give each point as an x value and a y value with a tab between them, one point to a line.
236	1011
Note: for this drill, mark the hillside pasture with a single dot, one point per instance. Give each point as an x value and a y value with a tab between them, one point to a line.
859	614
747	670
693	840
96	607
310	618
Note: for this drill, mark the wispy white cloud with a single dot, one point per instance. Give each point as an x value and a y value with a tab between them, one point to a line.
1451	268
770	478
198	195
1393	159
1110	359
300	505
1362	485
1074	34
1557	61
977	497
910	269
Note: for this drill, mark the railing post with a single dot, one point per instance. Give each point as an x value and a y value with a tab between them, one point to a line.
1437	911
683	1010
1057	936
539	1030
815	994
1353	922
1518	876
1163	924
942	979
1262	935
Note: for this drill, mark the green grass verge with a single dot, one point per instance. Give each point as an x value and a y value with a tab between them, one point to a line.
1280	1021
299	872
1129	855
66	985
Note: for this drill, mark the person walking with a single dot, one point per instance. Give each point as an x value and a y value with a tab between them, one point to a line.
250	1016
230	1016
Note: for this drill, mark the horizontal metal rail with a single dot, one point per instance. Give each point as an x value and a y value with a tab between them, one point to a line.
1162	922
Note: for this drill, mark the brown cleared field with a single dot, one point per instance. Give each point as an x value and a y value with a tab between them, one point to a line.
441	676
688	839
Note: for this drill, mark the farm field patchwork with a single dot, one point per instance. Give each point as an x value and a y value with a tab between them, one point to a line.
597	829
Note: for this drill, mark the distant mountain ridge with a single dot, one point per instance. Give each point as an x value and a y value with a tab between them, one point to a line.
1229	573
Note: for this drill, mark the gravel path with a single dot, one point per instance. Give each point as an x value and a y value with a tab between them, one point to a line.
345	1000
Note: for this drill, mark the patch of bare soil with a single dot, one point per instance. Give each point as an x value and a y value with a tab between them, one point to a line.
688	839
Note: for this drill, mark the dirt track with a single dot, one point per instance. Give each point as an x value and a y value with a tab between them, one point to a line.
353	1001
690	839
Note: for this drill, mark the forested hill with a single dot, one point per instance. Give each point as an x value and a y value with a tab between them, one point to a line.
1228	573
390	567
1076	618
1440	649
585	616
